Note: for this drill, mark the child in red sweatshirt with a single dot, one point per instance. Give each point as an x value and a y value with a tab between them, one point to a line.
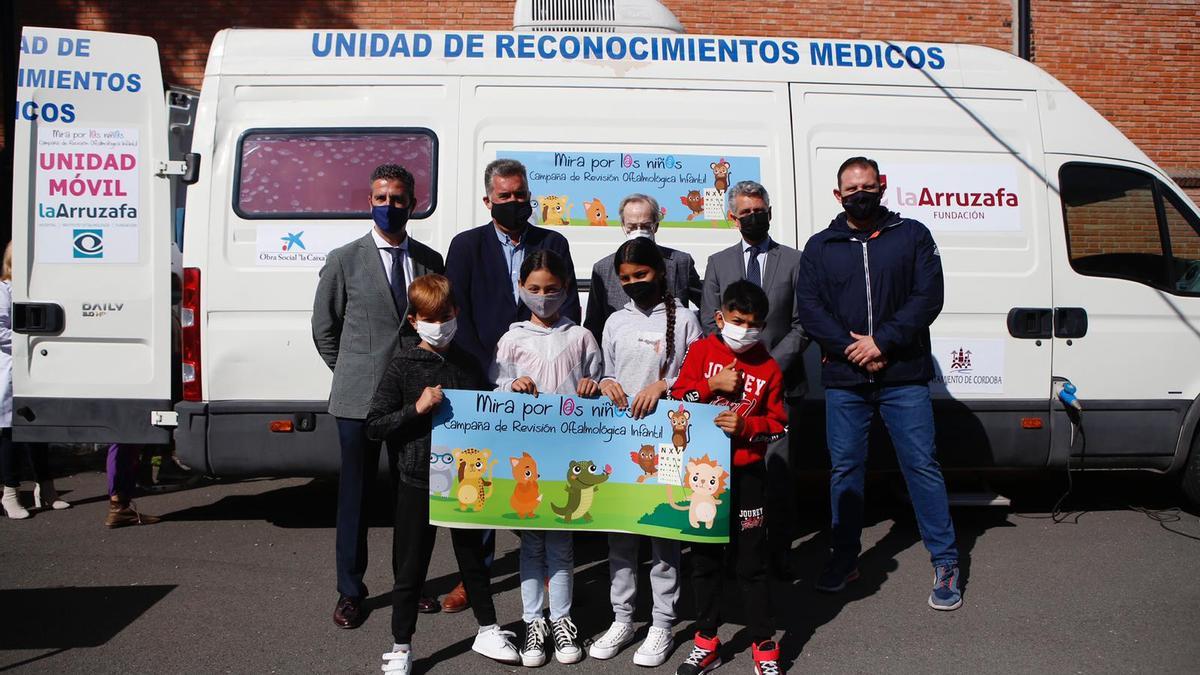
734	369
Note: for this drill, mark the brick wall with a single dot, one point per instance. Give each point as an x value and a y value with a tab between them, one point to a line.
1135	61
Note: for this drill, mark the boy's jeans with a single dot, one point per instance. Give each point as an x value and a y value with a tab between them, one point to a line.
907	413
546	555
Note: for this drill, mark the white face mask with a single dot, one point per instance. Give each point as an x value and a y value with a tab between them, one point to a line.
739	338
634	234
438	335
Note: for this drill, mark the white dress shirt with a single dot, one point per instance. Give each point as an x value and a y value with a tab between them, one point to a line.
384	247
762	257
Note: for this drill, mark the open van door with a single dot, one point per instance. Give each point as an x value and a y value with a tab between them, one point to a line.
92	233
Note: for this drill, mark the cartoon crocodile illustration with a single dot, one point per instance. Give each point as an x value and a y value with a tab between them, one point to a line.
582	479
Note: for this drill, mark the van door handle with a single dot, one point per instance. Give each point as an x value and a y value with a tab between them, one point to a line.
1070	322
38	318
1031	323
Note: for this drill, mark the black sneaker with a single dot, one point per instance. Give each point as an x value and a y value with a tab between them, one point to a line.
704	656
533	653
836	575
566	649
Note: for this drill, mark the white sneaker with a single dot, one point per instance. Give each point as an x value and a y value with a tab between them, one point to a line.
533	654
566	650
12	504
606	646
655	649
398	662
494	644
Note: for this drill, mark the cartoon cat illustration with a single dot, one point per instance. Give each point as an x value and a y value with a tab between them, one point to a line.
596	213
441	473
720	175
681	428
695	203
647	459
582	481
555	210
473	488
707	480
525	497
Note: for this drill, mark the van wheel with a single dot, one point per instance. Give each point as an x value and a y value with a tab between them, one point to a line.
1190	480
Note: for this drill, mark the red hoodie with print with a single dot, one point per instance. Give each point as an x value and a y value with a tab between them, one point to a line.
761	400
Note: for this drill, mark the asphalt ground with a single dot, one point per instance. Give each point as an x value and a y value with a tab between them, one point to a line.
239	578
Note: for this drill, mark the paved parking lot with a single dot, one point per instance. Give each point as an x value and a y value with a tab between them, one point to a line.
239	578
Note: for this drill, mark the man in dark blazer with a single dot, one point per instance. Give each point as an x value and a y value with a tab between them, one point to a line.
484	267
775	268
358	312
484	263
640	215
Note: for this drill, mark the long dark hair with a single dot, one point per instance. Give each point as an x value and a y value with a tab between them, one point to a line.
642	251
545	259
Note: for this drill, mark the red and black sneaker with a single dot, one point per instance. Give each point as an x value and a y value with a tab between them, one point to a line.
766	658
703	658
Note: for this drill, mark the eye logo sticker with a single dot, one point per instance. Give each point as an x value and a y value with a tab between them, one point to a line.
88	243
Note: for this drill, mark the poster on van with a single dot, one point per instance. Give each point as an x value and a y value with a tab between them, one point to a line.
87	195
979	197
586	188
550	462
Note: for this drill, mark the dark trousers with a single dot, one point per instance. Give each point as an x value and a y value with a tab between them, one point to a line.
360	466
747	550
781	487
10	460
412	546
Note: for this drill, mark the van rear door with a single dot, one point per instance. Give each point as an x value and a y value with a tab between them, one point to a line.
91	240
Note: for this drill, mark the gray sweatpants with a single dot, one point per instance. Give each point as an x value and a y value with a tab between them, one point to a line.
664	577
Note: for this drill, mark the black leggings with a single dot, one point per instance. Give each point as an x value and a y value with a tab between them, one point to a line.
412	547
10	457
748	548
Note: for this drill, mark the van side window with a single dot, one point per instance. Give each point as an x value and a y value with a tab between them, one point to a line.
1126	224
310	174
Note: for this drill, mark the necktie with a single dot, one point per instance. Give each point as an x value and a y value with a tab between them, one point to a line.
753	271
398	282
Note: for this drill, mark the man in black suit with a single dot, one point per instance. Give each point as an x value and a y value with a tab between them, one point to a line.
358	312
640	215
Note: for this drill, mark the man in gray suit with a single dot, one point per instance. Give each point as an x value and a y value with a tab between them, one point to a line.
358	312
640	215
776	269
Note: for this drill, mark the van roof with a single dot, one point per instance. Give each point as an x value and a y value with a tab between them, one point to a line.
344	53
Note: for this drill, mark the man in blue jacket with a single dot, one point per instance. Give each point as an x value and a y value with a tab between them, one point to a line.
870	285
484	268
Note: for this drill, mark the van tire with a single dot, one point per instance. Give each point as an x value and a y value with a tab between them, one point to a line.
1190	477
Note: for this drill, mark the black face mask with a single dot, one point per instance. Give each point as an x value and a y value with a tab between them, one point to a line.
512	215
862	206
754	226
642	292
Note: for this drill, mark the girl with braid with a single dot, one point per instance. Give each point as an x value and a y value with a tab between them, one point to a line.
644	345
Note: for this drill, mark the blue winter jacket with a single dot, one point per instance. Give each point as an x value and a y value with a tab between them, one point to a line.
900	264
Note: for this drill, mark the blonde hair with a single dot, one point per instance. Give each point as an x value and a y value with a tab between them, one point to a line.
6	270
429	295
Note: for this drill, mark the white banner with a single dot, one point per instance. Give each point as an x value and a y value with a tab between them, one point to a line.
87	196
981	197
968	365
302	244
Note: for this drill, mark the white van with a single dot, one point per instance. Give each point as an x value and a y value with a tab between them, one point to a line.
1067	252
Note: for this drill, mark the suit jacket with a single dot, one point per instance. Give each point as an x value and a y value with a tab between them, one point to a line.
783	335
483	289
355	323
606	295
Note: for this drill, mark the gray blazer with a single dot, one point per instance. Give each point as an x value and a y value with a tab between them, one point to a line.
355	324
783	335
606	296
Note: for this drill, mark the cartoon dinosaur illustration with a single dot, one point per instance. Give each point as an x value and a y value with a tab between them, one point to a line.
582	481
555	210
596	213
681	428
720	175
647	459
441	473
695	203
525	497
473	488
707	480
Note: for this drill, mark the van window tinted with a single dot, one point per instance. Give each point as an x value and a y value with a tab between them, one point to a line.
1126	224
325	173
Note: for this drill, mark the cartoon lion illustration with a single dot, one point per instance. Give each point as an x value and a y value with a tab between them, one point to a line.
707	480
